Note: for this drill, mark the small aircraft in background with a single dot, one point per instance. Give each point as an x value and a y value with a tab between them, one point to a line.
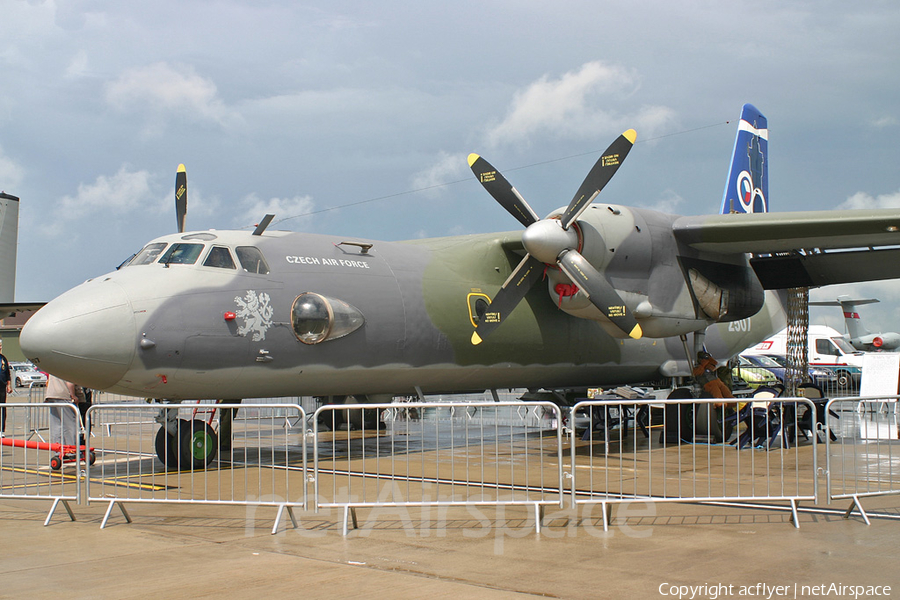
591	295
858	334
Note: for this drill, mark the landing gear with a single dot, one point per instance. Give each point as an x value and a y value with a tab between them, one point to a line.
199	444
167	444
182	444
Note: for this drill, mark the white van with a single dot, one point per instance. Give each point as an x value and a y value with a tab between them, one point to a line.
827	348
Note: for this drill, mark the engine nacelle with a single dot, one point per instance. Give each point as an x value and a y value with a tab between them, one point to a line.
669	294
886	341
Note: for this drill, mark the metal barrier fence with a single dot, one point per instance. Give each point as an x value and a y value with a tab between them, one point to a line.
259	459
445	454
863	449
48	468
389	456
697	455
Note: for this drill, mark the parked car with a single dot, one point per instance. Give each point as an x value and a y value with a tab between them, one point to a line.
820	376
753	375
26	374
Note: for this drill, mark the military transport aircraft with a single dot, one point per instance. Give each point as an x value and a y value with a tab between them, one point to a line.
590	295
858	334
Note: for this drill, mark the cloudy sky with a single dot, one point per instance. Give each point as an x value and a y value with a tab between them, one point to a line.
356	117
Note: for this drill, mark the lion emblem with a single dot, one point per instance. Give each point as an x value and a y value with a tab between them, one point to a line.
256	313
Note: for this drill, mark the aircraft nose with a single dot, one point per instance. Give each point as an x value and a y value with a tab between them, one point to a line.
85	336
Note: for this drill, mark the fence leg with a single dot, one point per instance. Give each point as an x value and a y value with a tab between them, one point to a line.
281	510
109	510
538	517
349	513
607	514
56	502
858	505
794	517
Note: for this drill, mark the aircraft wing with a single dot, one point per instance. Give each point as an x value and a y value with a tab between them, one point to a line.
7	310
803	249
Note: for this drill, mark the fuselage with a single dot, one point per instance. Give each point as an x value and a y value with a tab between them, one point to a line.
228	314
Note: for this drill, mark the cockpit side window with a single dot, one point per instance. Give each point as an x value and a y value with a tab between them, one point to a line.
252	260
182	254
219	257
149	254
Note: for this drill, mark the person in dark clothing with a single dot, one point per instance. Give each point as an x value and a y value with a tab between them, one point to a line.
5	388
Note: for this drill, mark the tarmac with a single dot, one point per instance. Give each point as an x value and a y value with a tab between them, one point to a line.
175	551
650	551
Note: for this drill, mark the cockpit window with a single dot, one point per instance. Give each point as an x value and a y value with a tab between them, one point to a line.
182	254
149	254
252	260
219	257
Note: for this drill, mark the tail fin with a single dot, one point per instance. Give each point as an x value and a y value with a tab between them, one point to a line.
747	188
855	326
9	233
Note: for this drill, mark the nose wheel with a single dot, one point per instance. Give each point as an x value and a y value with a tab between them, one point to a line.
193	445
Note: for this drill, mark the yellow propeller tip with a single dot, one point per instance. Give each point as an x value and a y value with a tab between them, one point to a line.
476	339
181	169
472	158
636	333
630	135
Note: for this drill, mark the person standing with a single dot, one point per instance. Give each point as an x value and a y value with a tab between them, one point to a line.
63	423
5	388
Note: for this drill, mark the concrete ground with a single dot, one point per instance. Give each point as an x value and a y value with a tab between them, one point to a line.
651	550
229	552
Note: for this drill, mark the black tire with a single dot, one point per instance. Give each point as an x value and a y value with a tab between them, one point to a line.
844	380
679	419
167	445
18	382
92	458
718	429
56	462
199	444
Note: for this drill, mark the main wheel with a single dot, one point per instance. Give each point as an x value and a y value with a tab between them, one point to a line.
56	462
199	444
167	446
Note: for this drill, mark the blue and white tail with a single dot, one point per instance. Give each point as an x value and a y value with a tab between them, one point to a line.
747	188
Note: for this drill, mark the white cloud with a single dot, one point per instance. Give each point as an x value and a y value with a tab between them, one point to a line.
864	200
119	193
884	122
668	203
446	168
11	173
282	208
575	106
162	88
78	66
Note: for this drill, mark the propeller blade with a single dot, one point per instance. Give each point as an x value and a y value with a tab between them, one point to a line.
600	174
600	292
180	197
502	190
523	277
